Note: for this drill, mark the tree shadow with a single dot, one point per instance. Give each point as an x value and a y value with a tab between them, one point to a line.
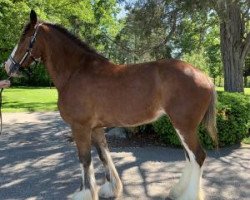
36	161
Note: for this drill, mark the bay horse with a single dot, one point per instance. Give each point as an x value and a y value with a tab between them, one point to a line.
94	93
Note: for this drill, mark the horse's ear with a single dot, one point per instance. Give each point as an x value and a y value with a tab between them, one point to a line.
33	17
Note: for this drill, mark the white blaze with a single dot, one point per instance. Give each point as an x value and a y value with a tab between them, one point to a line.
8	62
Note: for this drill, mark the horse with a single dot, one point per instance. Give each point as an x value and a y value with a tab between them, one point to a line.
94	93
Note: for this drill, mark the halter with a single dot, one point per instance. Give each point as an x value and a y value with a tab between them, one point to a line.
15	66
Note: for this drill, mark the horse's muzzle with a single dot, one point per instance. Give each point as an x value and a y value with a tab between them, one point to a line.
12	68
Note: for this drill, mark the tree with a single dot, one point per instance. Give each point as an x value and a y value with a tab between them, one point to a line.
247	70
212	48
146	31
234	24
234	18
89	19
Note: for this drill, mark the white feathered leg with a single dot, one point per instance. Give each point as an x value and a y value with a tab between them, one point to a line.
183	182
87	193
113	185
188	187
82	137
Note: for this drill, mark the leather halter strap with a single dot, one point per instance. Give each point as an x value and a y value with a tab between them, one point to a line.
15	66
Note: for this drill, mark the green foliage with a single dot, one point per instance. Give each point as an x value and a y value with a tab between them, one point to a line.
233	122
233	117
192	32
12	17
212	47
166	131
92	20
36	76
145	32
246	140
198	58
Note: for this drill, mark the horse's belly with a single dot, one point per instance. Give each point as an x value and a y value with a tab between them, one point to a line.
132	119
147	119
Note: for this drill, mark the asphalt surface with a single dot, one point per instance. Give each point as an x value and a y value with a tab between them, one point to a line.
37	162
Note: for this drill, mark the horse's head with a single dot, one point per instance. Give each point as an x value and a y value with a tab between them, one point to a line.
27	50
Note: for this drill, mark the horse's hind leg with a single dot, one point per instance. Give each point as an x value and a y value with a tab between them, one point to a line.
82	137
188	187
113	185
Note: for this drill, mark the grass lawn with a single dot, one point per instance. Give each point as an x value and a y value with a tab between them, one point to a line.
29	99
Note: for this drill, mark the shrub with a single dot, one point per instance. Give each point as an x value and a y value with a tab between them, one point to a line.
233	117
233	122
38	77
166	131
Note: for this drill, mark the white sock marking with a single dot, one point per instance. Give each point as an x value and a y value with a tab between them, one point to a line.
83	178
188	187
92	177
87	194
82	195
114	187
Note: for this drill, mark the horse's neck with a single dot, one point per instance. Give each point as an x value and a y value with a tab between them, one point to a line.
62	58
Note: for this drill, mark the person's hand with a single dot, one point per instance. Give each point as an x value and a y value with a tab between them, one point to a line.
4	83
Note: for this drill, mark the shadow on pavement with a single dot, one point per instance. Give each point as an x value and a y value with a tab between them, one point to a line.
37	162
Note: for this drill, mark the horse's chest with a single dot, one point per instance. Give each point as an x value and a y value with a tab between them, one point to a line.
76	107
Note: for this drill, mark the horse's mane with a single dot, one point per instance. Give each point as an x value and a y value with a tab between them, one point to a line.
76	40
73	38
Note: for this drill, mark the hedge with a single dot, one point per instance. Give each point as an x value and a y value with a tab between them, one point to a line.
233	122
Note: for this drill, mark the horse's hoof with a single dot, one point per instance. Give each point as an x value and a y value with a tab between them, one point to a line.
109	190
83	195
174	193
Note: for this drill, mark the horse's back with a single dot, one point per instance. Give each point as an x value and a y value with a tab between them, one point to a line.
175	77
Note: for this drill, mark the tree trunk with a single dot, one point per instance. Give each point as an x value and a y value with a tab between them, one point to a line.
231	33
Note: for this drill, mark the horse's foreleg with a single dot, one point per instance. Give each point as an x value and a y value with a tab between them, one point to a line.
82	137
188	187
113	185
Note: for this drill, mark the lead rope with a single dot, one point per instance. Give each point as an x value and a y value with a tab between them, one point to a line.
1	119
1	100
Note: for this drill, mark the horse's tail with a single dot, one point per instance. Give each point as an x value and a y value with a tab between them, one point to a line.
209	119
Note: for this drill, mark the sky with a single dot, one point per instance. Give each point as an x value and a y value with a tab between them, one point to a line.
123	12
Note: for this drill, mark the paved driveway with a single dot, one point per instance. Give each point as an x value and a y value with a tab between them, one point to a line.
37	162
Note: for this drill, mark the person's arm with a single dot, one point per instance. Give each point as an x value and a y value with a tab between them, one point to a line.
4	83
